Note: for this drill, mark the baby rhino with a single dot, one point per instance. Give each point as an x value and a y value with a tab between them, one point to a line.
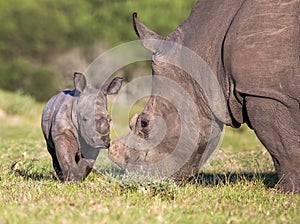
76	126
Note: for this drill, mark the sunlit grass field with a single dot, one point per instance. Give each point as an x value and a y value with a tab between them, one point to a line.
239	185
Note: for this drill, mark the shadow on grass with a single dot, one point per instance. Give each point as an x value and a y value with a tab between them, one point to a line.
213	179
269	179
28	171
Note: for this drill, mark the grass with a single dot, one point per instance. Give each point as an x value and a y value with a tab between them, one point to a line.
238	186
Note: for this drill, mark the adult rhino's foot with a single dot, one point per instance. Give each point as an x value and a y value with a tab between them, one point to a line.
289	183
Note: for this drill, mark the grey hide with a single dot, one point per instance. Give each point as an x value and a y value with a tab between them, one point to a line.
76	125
253	48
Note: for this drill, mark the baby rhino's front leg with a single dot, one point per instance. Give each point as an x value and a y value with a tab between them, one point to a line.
74	167
85	166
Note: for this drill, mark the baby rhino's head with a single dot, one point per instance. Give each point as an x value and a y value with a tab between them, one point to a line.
89	112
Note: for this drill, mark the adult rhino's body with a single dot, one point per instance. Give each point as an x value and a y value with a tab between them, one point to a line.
253	48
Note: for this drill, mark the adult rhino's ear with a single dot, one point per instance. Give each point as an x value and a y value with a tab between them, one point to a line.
79	81
112	87
150	39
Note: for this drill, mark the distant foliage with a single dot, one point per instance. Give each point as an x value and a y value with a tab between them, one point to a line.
17	104
34	32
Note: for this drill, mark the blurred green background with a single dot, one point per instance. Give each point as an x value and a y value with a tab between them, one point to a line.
43	42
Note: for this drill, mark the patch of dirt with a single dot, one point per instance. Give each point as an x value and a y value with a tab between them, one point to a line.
3	114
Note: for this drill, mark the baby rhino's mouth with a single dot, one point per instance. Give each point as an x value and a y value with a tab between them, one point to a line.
101	142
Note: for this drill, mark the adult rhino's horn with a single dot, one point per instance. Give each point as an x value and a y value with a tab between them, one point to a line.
150	39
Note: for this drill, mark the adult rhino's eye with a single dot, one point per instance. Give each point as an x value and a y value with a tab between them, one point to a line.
143	127
144	123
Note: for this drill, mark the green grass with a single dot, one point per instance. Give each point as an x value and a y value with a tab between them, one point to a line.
238	186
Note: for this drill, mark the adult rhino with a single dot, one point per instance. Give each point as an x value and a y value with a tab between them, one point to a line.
76	125
253	48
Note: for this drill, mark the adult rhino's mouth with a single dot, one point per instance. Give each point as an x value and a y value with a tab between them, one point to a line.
125	156
121	153
167	159
148	164
116	153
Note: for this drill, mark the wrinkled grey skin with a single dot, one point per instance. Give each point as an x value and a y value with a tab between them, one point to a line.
253	46
76	125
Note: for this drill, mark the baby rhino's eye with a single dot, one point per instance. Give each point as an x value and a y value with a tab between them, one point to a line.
102	126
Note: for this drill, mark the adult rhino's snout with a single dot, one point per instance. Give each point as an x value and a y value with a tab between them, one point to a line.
117	152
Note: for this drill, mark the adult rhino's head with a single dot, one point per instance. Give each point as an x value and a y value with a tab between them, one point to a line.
89	113
177	130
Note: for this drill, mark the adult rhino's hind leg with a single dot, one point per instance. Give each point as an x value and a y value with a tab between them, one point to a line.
278	128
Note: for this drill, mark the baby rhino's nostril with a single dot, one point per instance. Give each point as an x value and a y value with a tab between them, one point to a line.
102	126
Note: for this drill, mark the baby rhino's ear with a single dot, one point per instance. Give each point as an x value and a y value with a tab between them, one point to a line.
112	87
79	81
